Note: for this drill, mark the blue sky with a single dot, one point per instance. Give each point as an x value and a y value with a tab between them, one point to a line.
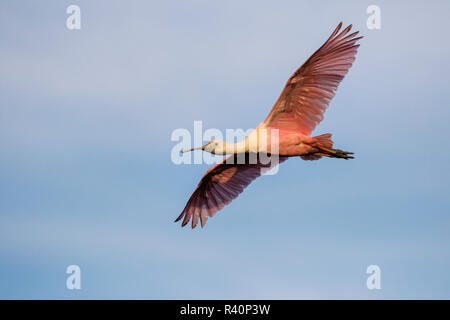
86	176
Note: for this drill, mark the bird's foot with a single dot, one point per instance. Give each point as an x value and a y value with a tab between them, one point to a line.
342	154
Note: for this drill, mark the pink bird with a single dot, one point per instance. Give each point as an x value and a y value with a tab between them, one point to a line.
294	116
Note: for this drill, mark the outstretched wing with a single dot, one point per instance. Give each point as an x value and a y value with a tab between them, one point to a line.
222	183
309	90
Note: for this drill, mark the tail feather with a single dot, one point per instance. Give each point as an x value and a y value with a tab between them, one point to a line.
324	141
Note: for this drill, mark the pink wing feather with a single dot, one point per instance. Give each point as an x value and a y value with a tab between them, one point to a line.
309	90
222	183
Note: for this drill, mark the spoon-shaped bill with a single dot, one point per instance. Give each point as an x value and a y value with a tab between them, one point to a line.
192	149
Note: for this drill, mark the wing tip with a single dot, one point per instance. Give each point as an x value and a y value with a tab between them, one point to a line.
343	32
185	221
193	217
179	217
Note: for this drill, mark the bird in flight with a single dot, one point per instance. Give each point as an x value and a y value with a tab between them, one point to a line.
294	116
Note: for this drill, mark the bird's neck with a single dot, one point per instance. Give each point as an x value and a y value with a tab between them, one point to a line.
254	142
231	148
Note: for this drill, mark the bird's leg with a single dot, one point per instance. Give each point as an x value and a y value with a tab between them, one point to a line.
323	154
343	154
335	153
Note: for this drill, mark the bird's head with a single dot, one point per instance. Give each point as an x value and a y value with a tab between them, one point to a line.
214	146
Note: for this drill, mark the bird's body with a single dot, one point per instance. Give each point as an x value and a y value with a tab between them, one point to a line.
286	132
289	144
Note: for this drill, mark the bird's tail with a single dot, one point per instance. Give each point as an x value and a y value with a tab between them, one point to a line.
324	146
324	141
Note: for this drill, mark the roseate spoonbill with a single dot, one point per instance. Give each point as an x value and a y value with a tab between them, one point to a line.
295	114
